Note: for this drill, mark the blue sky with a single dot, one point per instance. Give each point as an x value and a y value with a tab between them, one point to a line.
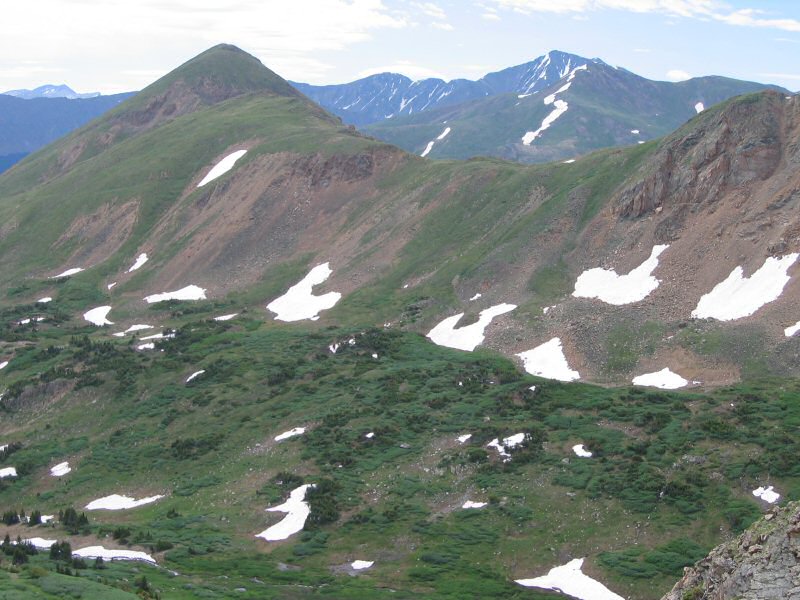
118	45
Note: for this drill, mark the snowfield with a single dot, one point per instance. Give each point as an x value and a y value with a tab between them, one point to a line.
195	374
113	554
190	292
767	494
548	361
664	379
97	316
739	296
140	260
607	286
222	167
297	511
60	469
132	328
291	433
67	273
509	442
466	338
299	303
579	450
570	580
117	502
561	107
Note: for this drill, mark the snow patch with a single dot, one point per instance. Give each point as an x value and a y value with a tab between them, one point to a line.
140	260
767	494
466	338
739	296
147	346
291	433
226	317
471	504
569	161
475	297
579	450
635	131
299	303
360	565
297	510
699	107
509	442
67	273
548	360
790	331
463	438
159	336
97	316
111	285
664	379
3	364
39	543
570	580
132	328
222	167
117	502
606	285
560	108
44	300
8	472
190	292
195	374
443	135
60	469
428	149
113	554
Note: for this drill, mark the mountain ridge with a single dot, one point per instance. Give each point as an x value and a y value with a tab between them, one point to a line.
424	459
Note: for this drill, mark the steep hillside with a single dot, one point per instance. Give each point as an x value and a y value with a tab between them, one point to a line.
760	564
215	300
594	106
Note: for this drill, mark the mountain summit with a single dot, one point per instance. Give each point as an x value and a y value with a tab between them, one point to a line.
50	91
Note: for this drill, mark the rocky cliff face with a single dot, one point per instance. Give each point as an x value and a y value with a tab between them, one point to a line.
761	564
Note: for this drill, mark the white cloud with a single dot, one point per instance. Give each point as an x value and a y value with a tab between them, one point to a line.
677	75
431	10
99	36
749	17
703	9
490	16
443	26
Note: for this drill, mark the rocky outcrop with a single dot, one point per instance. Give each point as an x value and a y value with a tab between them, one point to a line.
761	564
733	146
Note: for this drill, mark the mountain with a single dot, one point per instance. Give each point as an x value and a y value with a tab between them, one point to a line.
50	91
592	108
554	108
390	95
220	300
27	125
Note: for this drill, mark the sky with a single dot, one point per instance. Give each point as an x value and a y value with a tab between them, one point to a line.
123	45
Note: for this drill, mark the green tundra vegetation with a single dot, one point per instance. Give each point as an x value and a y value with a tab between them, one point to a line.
671	474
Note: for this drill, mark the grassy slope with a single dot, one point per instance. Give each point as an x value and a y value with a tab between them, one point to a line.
208	446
